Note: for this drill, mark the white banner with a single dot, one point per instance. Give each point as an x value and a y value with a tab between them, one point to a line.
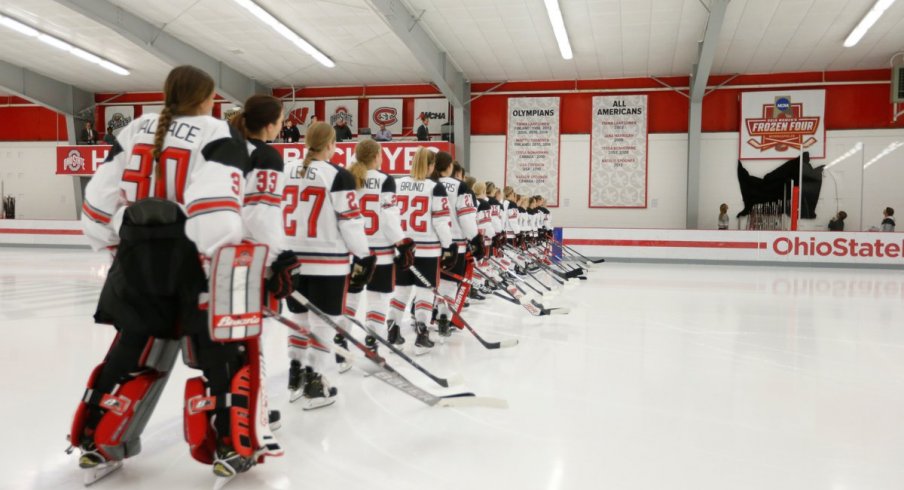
532	147
149	108
345	108
778	125
118	116
618	152
436	110
385	111
299	112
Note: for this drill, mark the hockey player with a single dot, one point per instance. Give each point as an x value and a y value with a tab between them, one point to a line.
169	192
494	196
325	230
464	233
424	210
511	216
376	192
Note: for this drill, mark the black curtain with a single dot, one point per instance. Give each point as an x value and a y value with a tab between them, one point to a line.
777	185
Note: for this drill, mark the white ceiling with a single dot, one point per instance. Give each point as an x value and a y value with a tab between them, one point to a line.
489	40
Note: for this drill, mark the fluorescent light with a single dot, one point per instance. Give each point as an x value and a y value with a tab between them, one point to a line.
867	22
558	27
285	32
61	45
18	26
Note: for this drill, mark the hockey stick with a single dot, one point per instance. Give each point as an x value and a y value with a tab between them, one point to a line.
531	305
440	381
573	251
329	348
389	375
455	316
482	274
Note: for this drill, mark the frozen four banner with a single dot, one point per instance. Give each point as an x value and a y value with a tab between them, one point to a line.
780	125
618	152
532	147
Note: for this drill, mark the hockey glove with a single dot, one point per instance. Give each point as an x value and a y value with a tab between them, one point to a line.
499	240
405	248
280	281
362	271
449	257
478	248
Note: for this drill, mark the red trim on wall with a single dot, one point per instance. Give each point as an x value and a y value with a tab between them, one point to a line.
660	243
39	231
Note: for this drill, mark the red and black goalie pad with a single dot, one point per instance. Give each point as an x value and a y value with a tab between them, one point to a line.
236	292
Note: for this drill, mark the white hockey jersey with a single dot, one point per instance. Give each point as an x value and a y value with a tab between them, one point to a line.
464	211
382	223
203	164
321	217
484	218
545	219
511	218
496	216
262	209
424	210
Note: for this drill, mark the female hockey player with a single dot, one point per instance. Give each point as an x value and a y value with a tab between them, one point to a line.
463	217
376	192
160	165
324	228
424	210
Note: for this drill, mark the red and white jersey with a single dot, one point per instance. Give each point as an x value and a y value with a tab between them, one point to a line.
511	218
484	218
496	216
321	217
424	210
382	223
545	218
464	211
262	210
203	164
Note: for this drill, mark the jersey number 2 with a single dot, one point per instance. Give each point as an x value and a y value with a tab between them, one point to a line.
419	206
292	197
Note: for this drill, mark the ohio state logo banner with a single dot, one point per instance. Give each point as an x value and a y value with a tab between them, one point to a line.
779	125
532	147
618	152
343	109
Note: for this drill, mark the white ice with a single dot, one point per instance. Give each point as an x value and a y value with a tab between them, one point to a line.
662	377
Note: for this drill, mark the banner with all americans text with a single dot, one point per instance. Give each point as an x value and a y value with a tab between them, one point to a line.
532	147
618	152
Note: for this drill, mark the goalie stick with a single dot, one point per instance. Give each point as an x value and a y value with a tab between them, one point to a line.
387	374
456	318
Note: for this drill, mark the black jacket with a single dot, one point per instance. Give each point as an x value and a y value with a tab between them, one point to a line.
343	133
423	134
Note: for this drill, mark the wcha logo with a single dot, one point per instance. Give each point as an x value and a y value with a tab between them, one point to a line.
436	116
342	112
782	127
74	162
386	115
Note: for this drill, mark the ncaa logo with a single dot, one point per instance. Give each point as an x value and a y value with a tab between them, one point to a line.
74	162
782	106
386	115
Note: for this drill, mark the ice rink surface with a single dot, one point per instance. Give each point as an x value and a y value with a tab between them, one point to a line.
662	377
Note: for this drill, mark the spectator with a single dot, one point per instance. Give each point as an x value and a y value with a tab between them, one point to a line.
313	120
888	223
423	132
837	223
723	216
292	132
343	132
89	135
383	134
109	137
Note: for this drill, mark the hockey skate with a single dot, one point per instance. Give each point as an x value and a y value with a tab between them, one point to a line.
274	420
317	391
475	294
371	343
395	335
296	381
94	464
443	326
422	344
344	365
227	464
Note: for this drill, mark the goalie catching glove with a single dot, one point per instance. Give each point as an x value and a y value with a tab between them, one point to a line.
362	271
405	248
280	281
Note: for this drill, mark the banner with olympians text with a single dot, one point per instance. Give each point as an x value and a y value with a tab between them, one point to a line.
385	111
397	156
299	112
118	116
346	109
437	112
779	125
618	152
532	147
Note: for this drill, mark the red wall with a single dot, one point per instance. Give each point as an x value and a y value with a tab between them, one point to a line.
20	120
848	106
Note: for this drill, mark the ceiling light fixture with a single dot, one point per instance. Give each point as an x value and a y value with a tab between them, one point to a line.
867	22
61	45
285	32
558	27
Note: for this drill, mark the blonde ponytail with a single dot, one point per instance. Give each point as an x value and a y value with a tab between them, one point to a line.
366	153
318	138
